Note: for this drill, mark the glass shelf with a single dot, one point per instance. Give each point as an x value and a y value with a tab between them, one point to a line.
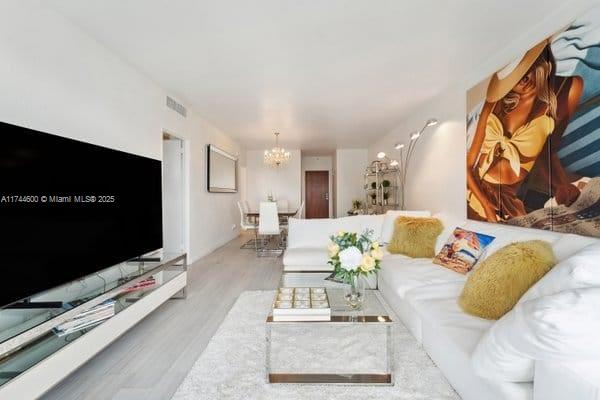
15	321
15	363
389	170
384	188
375	197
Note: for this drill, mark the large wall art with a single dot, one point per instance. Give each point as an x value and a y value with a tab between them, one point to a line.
533	135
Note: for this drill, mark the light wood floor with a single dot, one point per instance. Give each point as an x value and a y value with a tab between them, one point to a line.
150	361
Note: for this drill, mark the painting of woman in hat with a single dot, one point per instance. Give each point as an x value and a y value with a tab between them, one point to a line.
526	110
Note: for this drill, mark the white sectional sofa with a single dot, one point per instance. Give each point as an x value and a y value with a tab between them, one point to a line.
424	296
308	239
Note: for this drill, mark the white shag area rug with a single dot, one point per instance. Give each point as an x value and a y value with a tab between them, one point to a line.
233	364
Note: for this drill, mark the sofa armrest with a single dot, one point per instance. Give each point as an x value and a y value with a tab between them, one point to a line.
559	381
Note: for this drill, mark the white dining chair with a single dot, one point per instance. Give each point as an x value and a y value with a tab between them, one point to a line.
247	225
282	205
298	214
268	225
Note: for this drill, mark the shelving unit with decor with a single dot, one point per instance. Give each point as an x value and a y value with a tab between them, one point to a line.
382	184
34	357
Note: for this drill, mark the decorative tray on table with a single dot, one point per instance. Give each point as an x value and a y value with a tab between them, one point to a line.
301	304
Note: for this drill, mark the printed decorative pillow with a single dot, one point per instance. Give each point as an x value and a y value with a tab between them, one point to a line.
462	250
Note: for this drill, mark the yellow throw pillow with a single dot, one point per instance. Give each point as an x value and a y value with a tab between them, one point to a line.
415	236
498	283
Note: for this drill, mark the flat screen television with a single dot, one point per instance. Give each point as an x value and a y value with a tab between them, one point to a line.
69	209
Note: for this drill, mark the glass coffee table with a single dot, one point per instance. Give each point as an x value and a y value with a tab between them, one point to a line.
353	348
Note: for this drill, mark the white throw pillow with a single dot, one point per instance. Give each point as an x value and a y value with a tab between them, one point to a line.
570	244
387	230
579	271
560	327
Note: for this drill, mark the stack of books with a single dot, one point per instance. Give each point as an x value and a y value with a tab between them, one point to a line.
301	304
145	284
87	319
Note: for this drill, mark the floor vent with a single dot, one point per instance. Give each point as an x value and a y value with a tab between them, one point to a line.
175	106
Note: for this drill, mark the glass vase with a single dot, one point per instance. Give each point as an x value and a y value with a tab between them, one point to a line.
354	293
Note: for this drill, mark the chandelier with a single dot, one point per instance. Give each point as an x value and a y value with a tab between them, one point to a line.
277	155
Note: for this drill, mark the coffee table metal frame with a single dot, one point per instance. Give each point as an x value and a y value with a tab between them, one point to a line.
375	311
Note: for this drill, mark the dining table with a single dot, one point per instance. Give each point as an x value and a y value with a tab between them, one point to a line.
286	212
283	213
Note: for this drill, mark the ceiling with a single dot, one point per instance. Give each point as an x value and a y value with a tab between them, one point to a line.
326	74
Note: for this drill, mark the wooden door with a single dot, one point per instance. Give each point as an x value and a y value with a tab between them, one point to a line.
317	194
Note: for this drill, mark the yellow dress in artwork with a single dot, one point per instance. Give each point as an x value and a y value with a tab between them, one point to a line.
521	150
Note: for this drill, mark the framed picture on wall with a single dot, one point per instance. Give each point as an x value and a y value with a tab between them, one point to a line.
221	170
533	135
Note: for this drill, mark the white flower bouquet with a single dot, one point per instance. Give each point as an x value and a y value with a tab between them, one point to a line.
352	255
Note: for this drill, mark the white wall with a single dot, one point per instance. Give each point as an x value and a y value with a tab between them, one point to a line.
284	182
318	163
211	216
350	167
437	176
55	78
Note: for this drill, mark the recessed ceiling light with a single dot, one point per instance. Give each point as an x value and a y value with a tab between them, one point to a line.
381	155
415	135
431	122
399	146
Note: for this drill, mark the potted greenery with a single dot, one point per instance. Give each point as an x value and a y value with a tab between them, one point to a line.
385	183
386	196
373	185
373	198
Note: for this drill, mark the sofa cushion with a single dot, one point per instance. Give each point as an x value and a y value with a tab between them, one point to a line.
307	257
572	380
311	233
579	271
437	304
360	223
387	229
389	256
506	234
409	317
403	273
449	337
570	244
559	327
498	283
415	236
315	232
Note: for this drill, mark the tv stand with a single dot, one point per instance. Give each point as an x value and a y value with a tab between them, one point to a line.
145	259
26	304
34	358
